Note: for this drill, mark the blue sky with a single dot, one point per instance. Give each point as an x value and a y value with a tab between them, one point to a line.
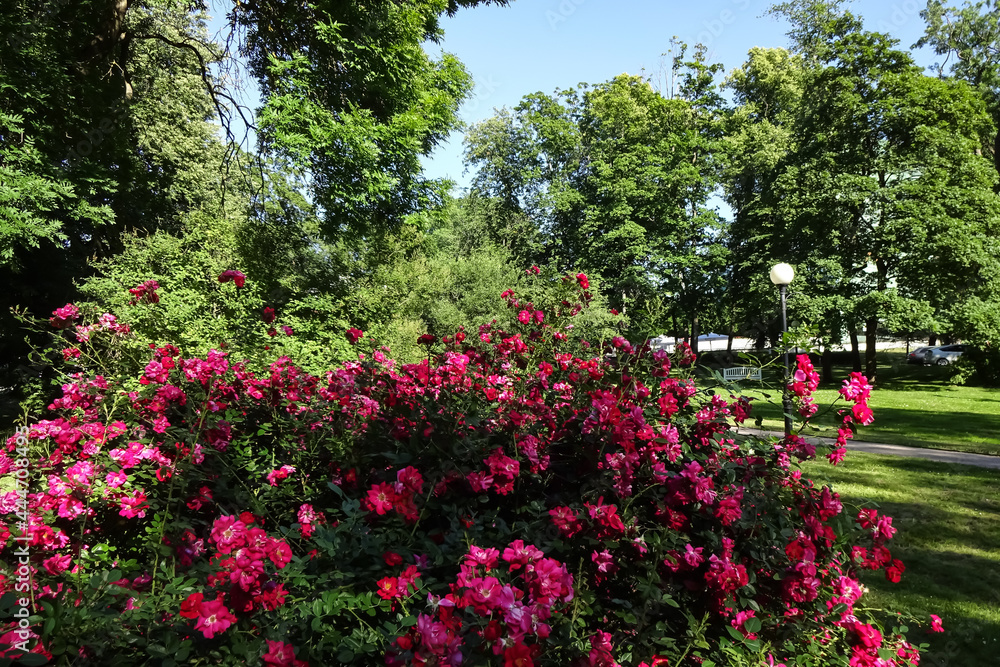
541	45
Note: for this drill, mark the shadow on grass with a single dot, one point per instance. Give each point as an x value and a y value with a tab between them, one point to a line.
921	428
942	471
985	400
948	537
961	588
912	385
930	479
976	432
968	641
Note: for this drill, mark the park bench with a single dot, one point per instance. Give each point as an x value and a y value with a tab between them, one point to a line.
737	373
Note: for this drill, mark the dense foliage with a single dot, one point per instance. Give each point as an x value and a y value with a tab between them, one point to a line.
103	128
840	156
110	153
516	496
615	179
311	460
109	133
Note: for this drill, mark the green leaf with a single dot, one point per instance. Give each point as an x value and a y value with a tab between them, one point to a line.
58	646
735	634
184	650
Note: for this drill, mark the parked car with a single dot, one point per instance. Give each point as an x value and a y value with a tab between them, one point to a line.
944	354
917	355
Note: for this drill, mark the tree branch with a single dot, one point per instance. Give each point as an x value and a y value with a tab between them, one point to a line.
214	92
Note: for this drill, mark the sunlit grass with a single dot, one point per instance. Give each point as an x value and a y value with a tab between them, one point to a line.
948	522
913	405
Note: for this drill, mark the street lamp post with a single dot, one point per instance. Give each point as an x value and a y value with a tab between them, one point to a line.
781	275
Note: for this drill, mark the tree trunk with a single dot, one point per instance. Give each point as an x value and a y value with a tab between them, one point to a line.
932	341
694	334
110	33
871	325
871	360
760	340
855	352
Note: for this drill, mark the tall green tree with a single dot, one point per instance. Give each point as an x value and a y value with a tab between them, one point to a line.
877	191
616	178
104	129
108	120
529	162
759	136
352	99
969	38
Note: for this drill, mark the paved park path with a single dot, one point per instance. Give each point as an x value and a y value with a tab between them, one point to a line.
942	455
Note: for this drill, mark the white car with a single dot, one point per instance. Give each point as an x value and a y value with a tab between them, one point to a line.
944	354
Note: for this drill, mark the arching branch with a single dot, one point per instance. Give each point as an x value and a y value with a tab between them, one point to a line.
218	95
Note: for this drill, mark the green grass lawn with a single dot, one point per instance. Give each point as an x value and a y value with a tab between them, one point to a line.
913	405
948	522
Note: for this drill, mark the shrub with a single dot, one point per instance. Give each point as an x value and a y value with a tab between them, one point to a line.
514	498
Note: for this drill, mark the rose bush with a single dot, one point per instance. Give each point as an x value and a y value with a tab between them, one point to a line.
515	498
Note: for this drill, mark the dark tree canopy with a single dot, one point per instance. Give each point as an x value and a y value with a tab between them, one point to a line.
109	114
99	136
